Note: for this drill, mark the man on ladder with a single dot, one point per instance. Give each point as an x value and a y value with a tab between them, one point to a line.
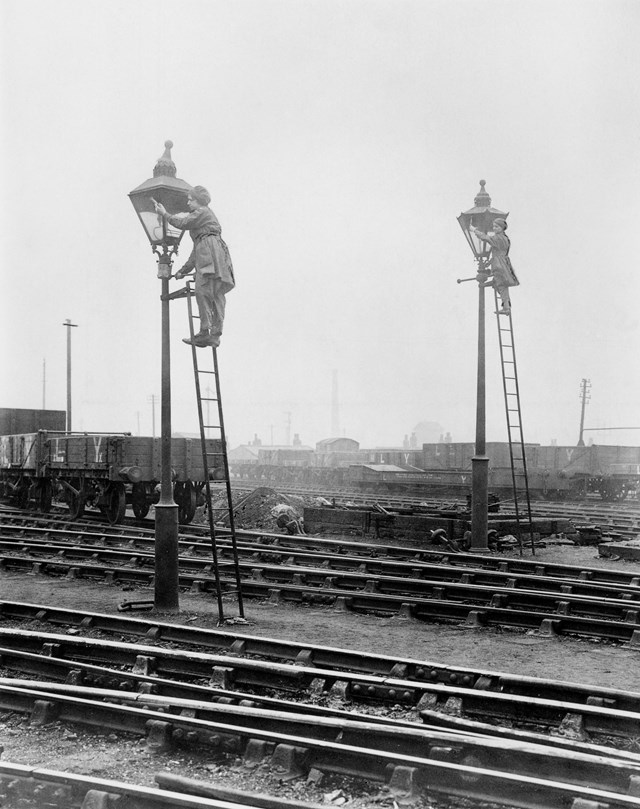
214	278
211	261
501	267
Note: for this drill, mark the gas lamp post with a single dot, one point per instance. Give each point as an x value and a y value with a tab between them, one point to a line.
164	187
481	216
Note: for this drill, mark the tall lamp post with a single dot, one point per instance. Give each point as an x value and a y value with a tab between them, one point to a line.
480	216
164	187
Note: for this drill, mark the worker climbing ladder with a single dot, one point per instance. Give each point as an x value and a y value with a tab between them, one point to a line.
511	389
212	457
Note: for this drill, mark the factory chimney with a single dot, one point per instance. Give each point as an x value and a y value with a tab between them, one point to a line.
335	410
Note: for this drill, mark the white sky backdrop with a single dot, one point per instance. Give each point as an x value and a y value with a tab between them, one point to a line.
339	140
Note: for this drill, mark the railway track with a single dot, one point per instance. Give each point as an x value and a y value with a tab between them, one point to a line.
453	734
176	698
548	604
25	786
621	518
195	539
247	661
534	600
277	563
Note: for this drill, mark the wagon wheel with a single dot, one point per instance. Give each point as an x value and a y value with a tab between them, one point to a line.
139	502
75	501
44	495
186	497
116	503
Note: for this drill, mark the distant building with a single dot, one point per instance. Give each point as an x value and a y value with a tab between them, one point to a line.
427	432
337	445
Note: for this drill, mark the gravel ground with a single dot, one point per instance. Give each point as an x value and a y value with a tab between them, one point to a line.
121	757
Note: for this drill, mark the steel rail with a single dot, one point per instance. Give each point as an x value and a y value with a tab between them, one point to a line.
368	552
484	770
476	605
74	660
586	769
294	561
276	649
22	785
543	712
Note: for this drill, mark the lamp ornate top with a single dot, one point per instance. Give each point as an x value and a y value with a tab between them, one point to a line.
482	198
165	167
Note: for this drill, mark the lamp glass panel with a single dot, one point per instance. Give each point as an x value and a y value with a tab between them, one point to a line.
159	232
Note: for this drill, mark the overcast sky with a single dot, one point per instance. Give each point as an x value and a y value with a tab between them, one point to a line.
339	139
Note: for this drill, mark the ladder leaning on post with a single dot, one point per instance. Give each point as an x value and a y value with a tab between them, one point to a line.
208	455
513	413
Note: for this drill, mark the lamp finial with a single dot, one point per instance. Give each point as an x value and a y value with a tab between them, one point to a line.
482	198
165	167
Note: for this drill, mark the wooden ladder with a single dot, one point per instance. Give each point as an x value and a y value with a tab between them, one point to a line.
513	412
214	456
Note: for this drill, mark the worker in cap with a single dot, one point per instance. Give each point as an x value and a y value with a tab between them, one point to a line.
211	262
500	265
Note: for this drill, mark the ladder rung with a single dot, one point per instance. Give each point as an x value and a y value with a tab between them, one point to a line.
207	399
200	371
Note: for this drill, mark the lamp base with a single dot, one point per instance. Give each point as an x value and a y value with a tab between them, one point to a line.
166	558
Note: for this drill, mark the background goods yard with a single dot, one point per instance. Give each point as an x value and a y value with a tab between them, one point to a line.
337	645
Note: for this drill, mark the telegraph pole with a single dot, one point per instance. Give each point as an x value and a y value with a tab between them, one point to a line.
585	387
69	325
153	399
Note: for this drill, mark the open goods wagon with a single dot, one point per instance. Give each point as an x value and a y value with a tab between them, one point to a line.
104	471
556	472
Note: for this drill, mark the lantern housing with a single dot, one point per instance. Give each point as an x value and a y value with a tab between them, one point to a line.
480	216
164	187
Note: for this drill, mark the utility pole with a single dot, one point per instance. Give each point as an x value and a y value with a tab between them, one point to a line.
585	387
69	325
44	383
153	399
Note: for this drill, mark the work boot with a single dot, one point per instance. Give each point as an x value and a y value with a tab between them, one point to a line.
198	338
209	340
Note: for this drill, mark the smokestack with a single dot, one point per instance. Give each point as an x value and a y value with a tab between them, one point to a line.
335	410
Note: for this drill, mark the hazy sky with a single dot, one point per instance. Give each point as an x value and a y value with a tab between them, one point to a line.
339	139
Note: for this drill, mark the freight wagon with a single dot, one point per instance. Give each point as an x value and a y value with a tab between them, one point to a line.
555	472
566	472
101	470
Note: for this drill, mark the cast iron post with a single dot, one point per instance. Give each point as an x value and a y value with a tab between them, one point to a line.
481	216
167	189
166	556
480	461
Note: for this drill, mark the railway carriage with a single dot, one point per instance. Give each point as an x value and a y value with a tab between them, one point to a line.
102	470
